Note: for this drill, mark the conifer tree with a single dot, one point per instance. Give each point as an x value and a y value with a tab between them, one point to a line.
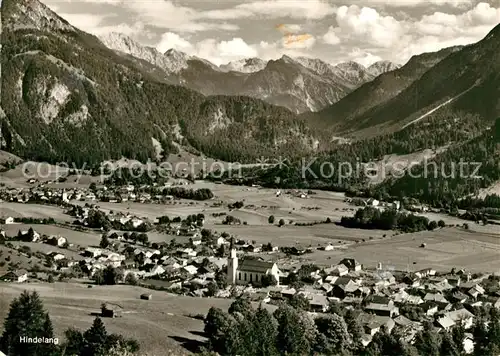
27	318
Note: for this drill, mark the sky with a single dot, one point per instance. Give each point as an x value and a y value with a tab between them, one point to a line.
335	31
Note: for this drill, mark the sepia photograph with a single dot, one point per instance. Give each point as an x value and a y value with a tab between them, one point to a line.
250	178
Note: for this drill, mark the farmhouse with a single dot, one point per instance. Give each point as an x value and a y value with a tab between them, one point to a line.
351	264
249	271
16	276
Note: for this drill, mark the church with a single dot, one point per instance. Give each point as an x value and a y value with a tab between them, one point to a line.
249	271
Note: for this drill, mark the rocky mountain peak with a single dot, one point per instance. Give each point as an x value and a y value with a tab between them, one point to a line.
380	67
31	14
246	65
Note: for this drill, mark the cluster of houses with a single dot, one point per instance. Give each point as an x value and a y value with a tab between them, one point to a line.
49	192
385	299
382	298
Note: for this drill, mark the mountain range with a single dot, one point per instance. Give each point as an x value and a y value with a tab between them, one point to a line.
67	97
299	84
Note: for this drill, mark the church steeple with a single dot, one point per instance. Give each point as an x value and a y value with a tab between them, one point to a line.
232	263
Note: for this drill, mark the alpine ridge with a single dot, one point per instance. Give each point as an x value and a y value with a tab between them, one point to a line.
67	97
299	84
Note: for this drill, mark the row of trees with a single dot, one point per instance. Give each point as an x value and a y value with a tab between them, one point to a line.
27	317
290	331
389	219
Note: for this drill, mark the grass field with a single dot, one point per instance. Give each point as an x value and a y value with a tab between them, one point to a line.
445	248
161	325
73	236
18	210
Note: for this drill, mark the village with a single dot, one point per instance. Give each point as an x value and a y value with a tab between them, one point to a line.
199	261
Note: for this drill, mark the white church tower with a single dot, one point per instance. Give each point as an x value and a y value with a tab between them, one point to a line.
232	264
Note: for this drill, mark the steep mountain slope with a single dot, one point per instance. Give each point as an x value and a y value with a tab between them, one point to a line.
67	97
466	80
380	90
299	84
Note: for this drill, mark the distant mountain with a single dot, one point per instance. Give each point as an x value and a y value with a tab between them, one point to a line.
299	84
382	67
67	97
346	112
171	61
248	65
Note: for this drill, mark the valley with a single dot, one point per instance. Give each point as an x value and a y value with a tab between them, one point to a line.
166	190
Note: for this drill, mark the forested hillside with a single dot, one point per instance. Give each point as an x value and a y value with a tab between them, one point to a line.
466	80
69	98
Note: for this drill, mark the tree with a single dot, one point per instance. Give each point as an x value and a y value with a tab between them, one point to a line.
268	280
296	331
433	225
212	289
220	279
494	327
131	279
427	341
336	335
281	222
480	333
458	335
27	317
95	339
222	332
354	327
265	331
207	237
74	341
448	346
298	301
441	223
241	305
143	238
104	242
50	278
271	219
108	275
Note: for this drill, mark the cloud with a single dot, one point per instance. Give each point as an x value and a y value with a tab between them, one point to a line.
330	37
298	41
87	22
414	3
223	51
398	40
367	25
173	40
217	52
310	9
288	29
363	57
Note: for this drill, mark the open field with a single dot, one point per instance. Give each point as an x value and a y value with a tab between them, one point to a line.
161	325
19	210
445	248
45	248
73	236
13	257
300	235
476	248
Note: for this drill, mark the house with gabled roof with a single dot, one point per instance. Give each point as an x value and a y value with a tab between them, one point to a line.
352	264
